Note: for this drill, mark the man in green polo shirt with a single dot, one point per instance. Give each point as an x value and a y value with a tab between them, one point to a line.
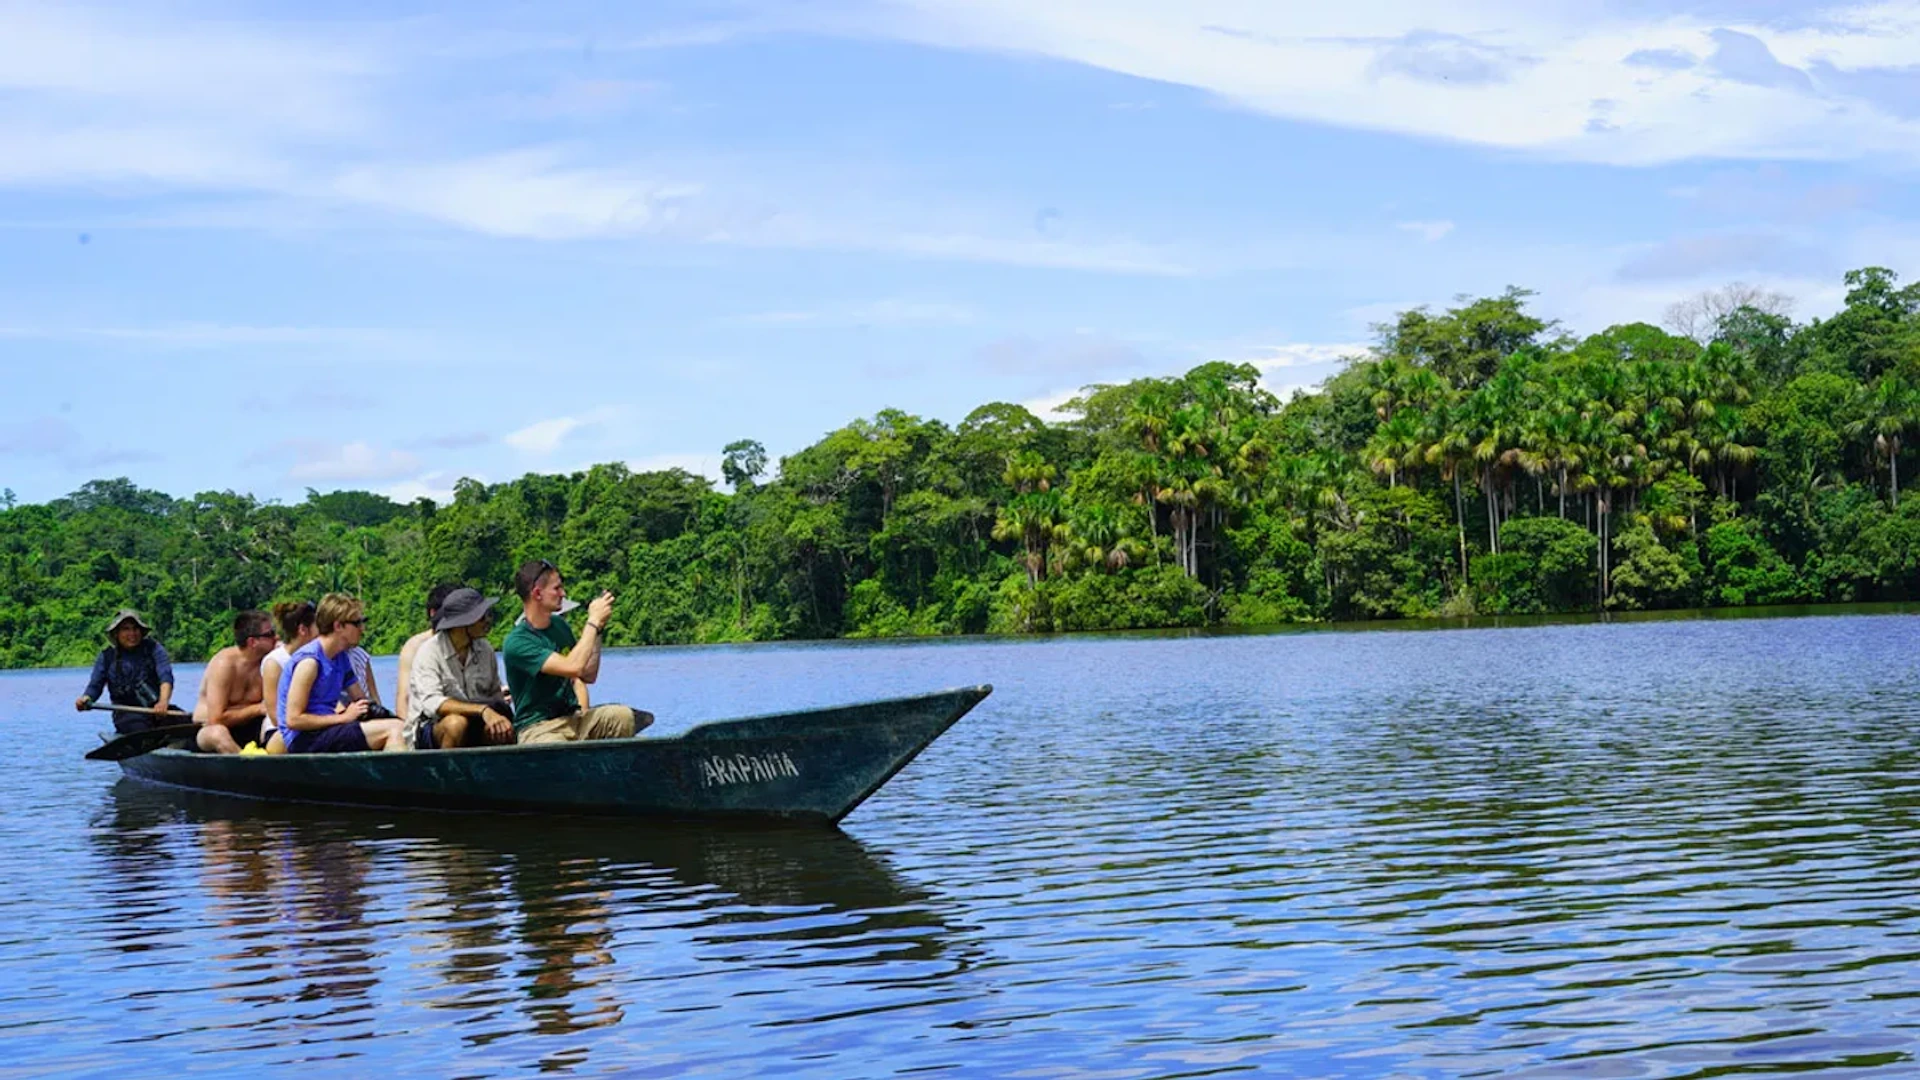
549	669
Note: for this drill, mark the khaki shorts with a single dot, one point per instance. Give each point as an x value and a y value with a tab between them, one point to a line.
599	722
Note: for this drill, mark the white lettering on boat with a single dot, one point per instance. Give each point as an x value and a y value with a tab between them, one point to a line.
746	768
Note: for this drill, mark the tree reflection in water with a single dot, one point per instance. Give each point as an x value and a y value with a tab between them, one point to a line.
494	926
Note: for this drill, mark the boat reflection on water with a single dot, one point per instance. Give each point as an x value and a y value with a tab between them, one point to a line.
522	925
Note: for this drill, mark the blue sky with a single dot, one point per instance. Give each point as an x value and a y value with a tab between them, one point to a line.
270	246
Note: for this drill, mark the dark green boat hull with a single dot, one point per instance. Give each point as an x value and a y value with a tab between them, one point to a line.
815	765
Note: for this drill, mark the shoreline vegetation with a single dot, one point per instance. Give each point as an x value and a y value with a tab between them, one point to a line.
1477	461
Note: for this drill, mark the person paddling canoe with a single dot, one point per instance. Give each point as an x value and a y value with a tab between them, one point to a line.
135	670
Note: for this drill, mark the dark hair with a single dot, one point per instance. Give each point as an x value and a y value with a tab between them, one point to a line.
249	624
530	574
291	615
438	595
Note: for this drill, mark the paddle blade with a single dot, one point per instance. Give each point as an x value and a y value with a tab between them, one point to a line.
135	743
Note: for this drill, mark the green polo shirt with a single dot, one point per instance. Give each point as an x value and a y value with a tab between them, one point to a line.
538	697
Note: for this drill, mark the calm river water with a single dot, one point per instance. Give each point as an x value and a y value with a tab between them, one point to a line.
1644	849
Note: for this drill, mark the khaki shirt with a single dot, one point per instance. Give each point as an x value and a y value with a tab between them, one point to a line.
440	674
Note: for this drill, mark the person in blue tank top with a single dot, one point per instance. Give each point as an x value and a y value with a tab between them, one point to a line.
323	706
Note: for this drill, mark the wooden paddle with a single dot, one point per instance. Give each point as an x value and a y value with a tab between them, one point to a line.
135	743
94	706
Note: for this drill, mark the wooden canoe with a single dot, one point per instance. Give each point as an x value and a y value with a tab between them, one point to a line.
814	765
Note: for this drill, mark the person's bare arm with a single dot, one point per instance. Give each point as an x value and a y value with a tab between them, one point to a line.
403	695
298	691
215	683
580	693
270	685
582	662
240	714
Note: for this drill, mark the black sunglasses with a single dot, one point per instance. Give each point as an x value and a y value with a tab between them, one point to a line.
361	621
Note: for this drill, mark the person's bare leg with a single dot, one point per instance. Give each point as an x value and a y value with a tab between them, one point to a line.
215	739
449	732
383	735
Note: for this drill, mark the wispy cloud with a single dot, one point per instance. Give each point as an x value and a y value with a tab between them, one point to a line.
1429	231
205	335
436	485
586	99
55	439
1047	406
1085	356
276	123
1394	65
543	436
891	312
1297	366
1701	254
348	463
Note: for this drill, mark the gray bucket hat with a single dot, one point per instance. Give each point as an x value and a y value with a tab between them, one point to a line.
123	615
462	607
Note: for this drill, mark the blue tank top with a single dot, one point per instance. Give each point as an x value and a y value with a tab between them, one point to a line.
335	675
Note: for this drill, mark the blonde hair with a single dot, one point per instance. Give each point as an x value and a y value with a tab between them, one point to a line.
335	608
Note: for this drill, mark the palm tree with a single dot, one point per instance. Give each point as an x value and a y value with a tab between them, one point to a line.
1033	518
1395	444
1447	446
1891	409
1099	536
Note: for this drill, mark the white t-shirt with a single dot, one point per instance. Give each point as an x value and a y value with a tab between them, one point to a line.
270	688
362	662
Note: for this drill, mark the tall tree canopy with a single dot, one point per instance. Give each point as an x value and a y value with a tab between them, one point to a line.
1476	459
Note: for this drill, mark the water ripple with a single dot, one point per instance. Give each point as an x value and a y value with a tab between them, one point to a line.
1645	850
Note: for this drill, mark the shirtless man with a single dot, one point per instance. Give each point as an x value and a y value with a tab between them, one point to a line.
232	706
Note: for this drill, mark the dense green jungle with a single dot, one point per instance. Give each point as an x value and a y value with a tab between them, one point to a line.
1476	460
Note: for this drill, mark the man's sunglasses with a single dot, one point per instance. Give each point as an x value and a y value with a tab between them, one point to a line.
361	621
256	637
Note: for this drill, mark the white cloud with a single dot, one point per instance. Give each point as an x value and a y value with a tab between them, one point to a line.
1285	369
523	193
1302	354
323	125
351	463
1554	79
1429	231
1047	406
436	485
543	436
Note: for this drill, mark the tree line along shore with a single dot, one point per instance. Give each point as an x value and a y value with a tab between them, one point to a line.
1477	459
